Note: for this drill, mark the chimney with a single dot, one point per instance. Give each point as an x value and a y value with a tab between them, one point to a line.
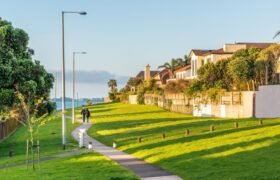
225	48
147	73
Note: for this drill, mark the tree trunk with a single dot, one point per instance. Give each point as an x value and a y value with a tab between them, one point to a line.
248	86
253	85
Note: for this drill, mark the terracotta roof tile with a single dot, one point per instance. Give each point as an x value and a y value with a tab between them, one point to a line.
182	68
201	52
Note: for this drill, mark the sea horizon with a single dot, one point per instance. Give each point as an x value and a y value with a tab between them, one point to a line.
78	103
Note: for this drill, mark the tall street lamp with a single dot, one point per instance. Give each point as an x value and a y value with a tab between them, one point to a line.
63	76
74	82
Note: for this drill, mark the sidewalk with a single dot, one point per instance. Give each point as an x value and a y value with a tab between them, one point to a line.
141	168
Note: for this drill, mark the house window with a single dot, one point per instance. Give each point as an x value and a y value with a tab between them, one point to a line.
194	67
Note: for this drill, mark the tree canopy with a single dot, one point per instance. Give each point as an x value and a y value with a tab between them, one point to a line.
19	73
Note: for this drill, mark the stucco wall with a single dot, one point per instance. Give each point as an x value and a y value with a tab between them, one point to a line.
233	47
132	99
268	101
218	57
243	110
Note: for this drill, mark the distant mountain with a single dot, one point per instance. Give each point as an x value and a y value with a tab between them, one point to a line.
80	99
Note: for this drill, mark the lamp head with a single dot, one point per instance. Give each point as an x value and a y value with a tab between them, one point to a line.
83	13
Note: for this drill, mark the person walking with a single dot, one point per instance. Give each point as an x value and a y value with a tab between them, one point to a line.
87	115
84	114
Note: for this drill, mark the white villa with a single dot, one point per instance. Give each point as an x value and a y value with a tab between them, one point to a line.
199	57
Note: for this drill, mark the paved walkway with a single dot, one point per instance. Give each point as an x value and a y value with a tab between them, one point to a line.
141	168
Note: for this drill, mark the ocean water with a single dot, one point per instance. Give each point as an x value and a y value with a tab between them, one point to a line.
79	103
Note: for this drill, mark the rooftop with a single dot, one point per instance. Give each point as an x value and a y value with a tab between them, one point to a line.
184	68
141	74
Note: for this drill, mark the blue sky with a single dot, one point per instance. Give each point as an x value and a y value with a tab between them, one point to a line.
122	36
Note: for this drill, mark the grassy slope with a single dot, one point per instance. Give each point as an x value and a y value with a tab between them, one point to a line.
50	141
85	166
252	151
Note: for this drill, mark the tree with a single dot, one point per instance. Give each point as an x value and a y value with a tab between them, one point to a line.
176	86
260	72
173	65
88	102
270	56
240	71
134	82
112	84
207	74
195	88
19	73
32	122
187	60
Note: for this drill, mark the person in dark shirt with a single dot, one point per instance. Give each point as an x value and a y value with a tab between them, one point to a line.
84	114
87	115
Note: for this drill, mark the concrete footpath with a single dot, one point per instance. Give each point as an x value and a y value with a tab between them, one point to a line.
141	168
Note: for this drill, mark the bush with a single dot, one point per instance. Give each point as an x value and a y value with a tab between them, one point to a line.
176	86
46	108
140	95
88	102
6	97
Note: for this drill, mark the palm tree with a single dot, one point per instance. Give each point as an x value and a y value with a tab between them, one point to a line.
187	60
112	83
276	34
173	65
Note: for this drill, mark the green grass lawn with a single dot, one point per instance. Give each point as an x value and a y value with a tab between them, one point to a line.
86	166
50	142
90	166
249	152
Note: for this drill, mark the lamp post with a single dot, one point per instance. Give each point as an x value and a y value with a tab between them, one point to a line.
63	77
74	82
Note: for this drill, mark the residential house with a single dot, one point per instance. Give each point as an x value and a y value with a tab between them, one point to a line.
200	57
182	73
160	77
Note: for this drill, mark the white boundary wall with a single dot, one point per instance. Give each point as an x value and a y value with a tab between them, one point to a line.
268	101
243	110
132	99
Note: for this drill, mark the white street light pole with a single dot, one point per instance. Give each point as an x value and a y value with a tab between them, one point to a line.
74	84
63	78
55	87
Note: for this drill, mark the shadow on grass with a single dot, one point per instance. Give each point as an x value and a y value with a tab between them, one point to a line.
167	128
100	110
259	163
195	137
130	126
85	166
124	114
50	141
